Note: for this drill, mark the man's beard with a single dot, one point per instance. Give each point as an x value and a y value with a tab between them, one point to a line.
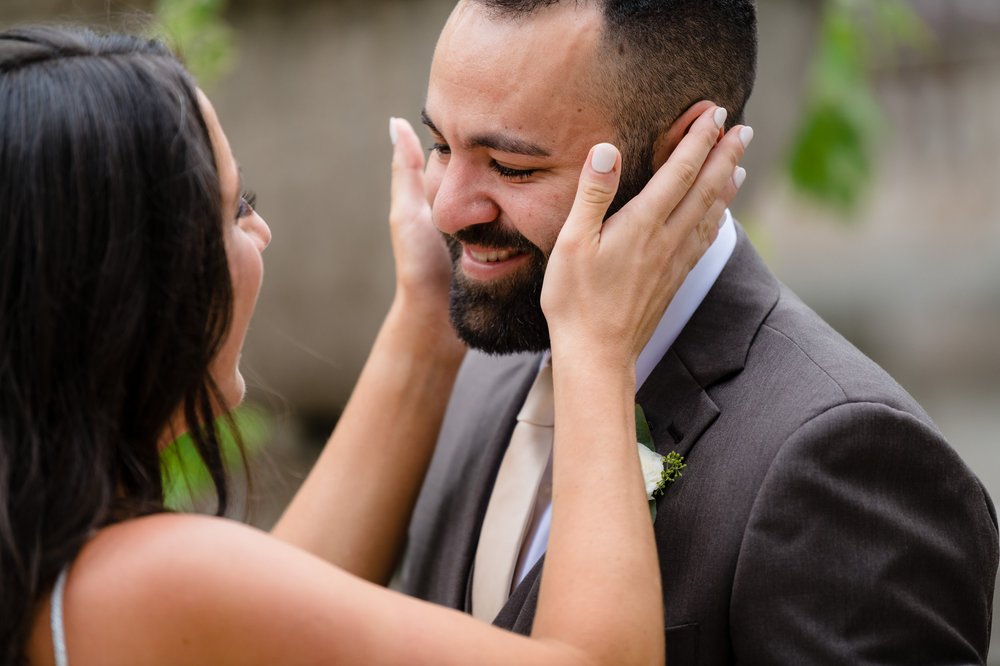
504	316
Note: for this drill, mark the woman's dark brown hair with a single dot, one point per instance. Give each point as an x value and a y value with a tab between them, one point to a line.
114	294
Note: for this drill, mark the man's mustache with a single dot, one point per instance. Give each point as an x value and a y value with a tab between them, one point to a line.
491	235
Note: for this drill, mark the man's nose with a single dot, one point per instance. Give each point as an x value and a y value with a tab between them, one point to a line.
462	199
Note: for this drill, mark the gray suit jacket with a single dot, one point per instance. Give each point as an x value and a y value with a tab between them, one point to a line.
822	518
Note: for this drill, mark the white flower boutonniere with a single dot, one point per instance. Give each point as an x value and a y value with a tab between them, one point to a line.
652	471
658	471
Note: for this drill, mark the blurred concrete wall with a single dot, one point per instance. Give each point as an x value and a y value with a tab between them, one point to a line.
307	110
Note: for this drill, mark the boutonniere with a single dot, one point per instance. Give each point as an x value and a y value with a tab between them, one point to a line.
658	471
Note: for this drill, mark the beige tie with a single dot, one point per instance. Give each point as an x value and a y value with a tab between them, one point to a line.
510	509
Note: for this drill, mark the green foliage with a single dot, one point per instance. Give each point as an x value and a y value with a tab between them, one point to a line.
832	160
197	32
642	433
186	480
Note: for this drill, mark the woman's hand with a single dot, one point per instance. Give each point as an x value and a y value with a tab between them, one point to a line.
423	269
608	283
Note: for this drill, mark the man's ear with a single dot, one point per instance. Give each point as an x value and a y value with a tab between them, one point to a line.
668	140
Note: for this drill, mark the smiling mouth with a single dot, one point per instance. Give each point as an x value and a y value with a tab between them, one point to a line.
493	256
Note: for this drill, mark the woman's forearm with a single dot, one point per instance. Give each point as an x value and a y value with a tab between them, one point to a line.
600	523
353	508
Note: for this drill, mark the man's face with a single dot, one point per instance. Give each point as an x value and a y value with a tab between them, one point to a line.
513	108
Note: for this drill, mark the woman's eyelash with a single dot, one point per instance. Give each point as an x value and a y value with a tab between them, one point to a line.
248	203
440	148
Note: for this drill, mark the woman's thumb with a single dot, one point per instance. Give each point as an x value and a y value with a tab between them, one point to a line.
597	188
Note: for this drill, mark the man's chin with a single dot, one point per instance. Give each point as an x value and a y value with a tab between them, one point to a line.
499	322
501	343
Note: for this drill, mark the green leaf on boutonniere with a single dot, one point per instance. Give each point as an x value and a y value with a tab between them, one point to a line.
642	433
644	436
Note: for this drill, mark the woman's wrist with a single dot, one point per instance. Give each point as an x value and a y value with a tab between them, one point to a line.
424	325
587	375
594	357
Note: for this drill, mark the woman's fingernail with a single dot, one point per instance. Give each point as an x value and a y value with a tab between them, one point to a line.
605	156
746	136
739	177
393	132
720	117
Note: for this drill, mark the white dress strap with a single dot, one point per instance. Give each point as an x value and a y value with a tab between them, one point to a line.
56	619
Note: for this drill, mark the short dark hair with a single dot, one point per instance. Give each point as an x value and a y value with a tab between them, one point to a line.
665	56
115	294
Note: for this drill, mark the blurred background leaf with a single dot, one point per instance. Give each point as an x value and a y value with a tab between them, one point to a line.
833	154
187	485
198	32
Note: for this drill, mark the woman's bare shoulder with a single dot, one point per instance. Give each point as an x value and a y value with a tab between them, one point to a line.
180	588
158	553
183	589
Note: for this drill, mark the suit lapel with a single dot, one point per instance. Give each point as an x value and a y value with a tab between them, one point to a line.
712	348
676	406
715	342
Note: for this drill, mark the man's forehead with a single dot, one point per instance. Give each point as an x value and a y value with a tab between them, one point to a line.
530	72
560	41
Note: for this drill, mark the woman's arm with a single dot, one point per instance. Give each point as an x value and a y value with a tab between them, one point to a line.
353	508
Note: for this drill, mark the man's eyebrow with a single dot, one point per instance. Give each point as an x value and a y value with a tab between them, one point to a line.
505	143
426	120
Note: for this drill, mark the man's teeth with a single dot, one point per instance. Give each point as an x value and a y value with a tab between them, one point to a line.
492	256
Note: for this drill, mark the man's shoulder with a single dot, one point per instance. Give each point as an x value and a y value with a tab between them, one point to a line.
803	350
768	359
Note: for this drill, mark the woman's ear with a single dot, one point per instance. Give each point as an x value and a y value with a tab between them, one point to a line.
668	140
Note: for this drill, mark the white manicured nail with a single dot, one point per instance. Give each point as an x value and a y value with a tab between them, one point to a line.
605	156
393	132
720	117
746	136
739	177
